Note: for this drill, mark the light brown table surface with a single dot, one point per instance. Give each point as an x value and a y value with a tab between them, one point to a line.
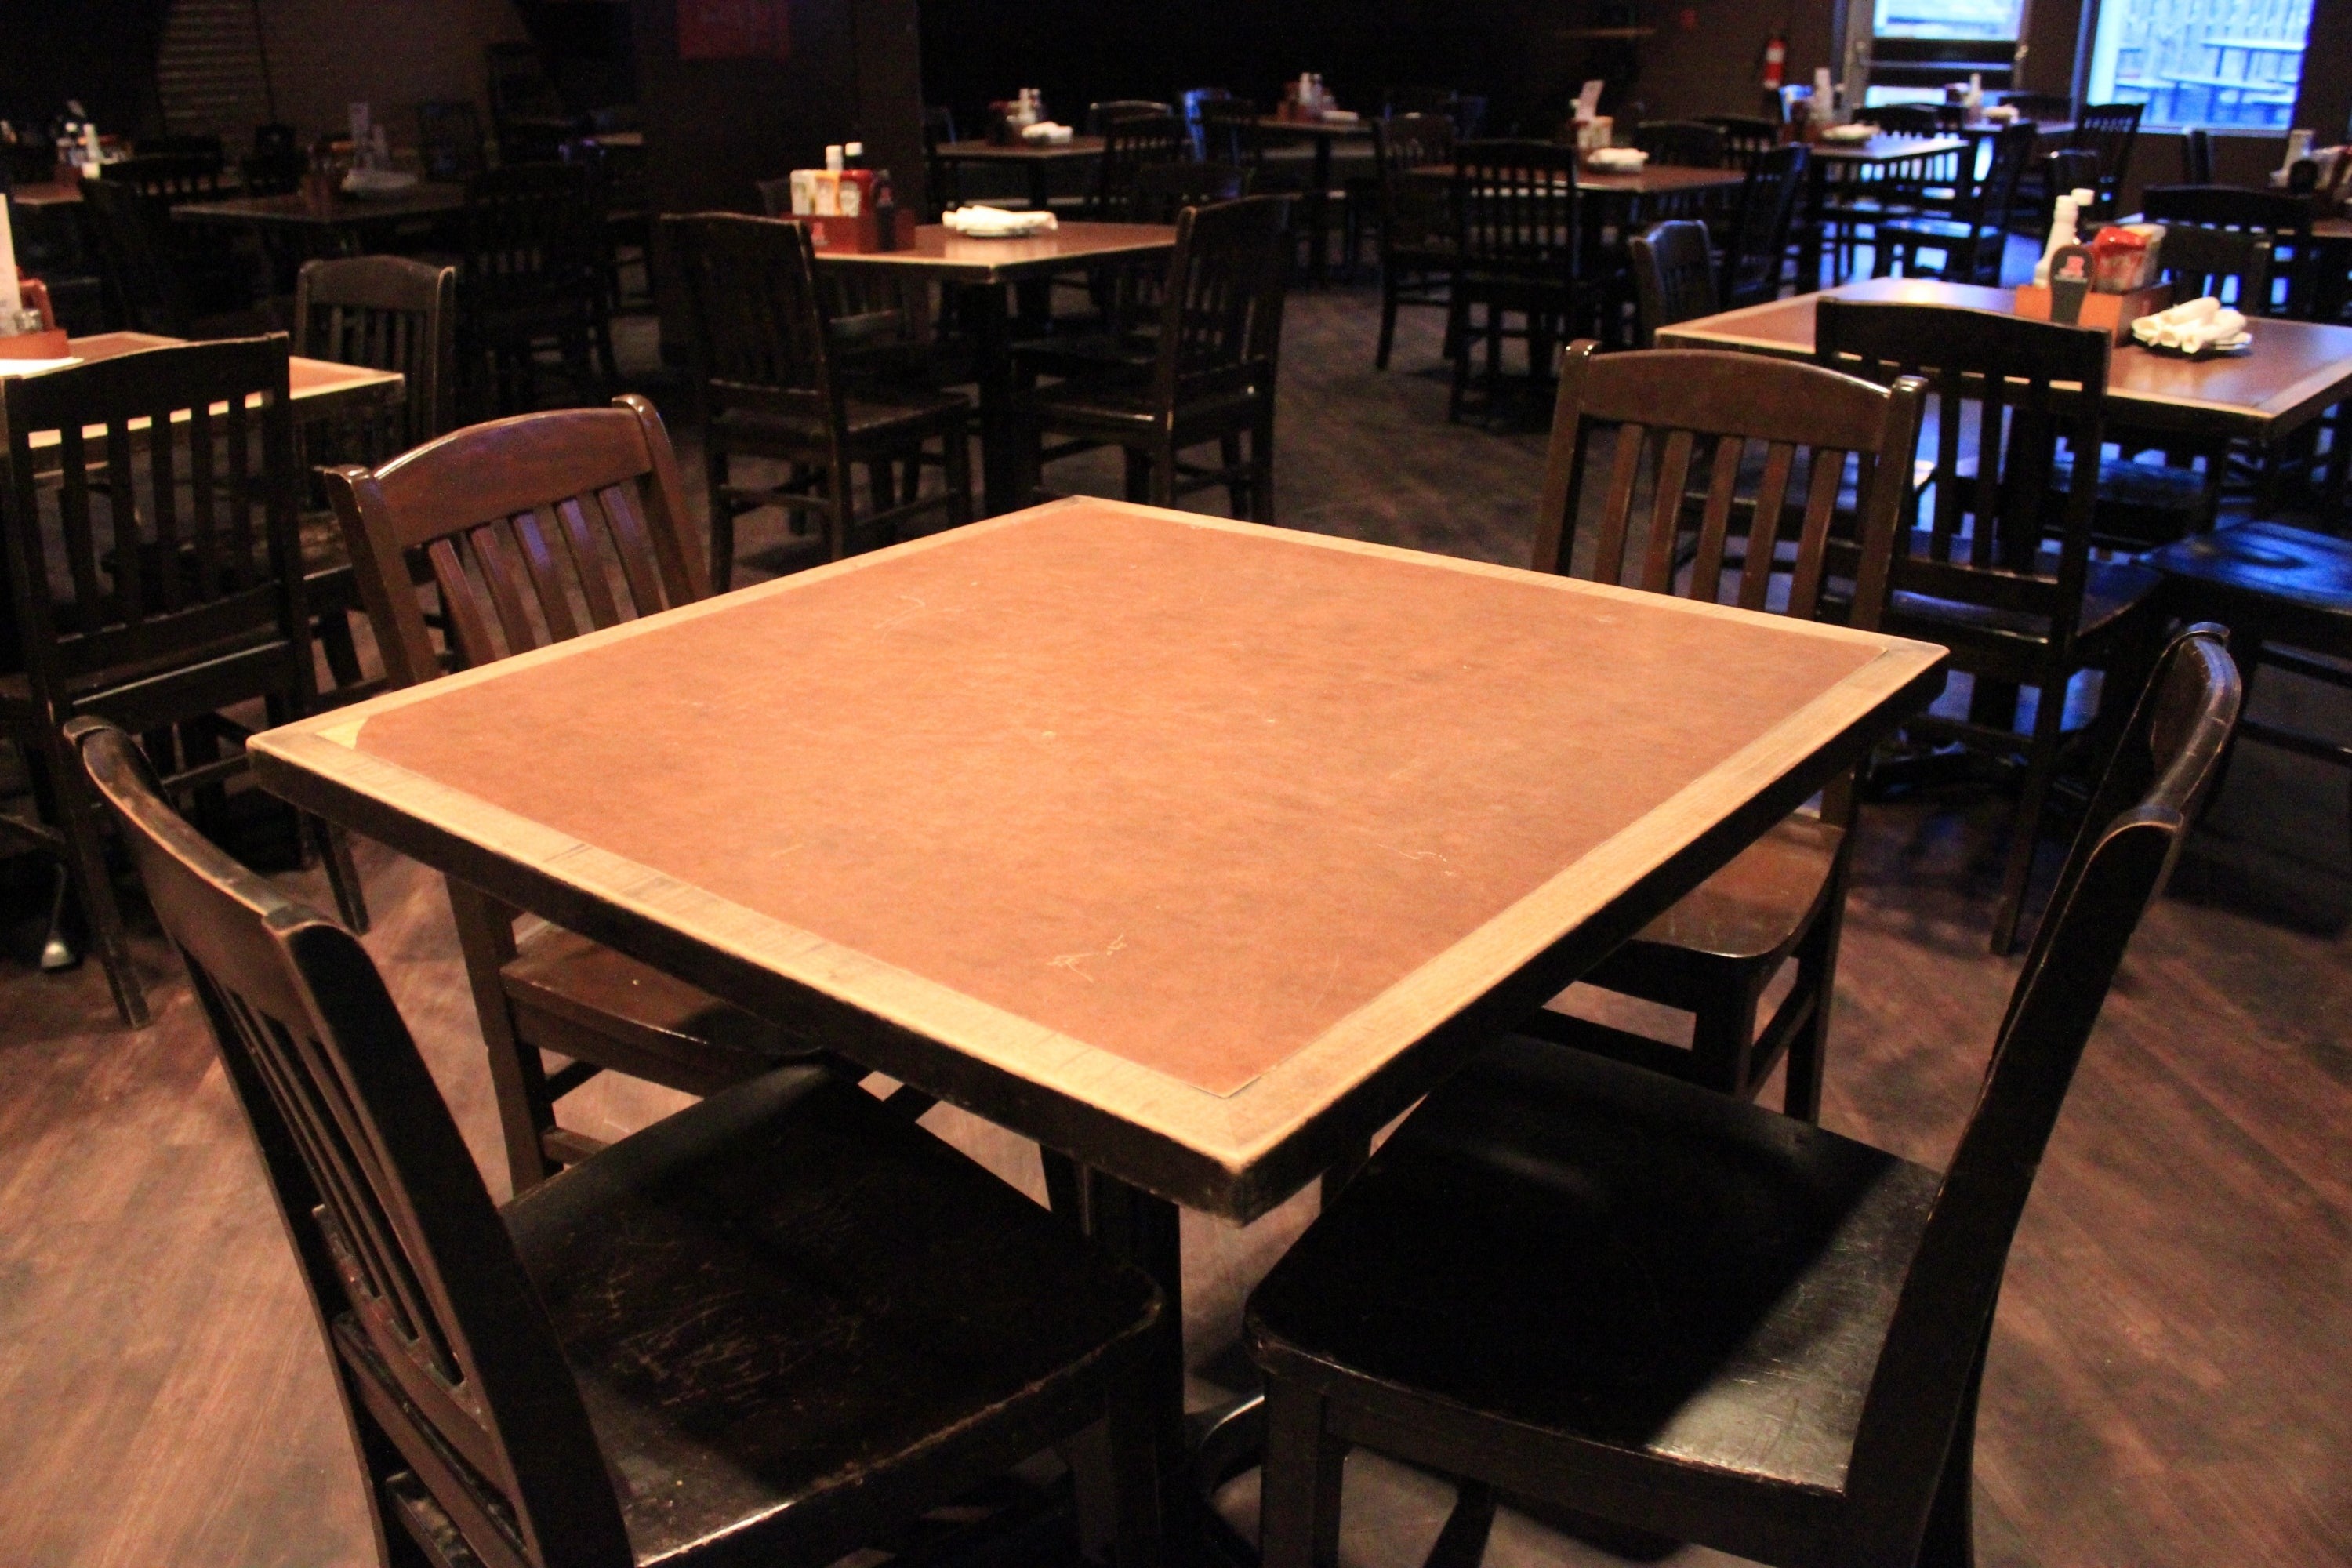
2296	371
321	388
1018	151
1188	846
1651	180
295	210
52	194
1883	149
941	252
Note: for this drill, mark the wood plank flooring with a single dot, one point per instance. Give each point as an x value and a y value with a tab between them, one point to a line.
2169	1382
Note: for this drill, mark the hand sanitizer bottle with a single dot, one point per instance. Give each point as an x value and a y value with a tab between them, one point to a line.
2062	234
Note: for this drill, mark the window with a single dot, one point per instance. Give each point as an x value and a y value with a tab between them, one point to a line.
1947	18
2224	63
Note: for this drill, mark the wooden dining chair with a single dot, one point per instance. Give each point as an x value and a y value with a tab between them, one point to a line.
153	582
386	312
2002	573
2111	131
1684	143
1414	238
1972	241
531	287
2284	219
531	530
1133	141
1724	521
765	366
1747	138
1515	221
1756	249
778	1327
1673	1313
1674	275
1211	378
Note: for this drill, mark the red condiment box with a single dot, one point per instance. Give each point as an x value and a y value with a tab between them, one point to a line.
859	235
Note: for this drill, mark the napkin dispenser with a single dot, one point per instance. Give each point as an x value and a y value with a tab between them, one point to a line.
2071	298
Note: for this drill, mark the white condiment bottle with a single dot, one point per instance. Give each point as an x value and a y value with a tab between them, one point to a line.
2064	215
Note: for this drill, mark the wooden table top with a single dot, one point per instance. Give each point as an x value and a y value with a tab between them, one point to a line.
1018	151
2296	371
941	252
295	210
1650	180
2334	229
320	387
51	194
1885	149
1317	128
1190	846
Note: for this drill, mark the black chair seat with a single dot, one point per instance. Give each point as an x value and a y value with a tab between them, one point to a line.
2111	591
1111	404
1603	1255
865	421
2310	571
777	1298
1089	354
1756	906
636	1019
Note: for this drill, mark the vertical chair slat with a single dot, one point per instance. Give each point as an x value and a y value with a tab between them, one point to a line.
1714	523
1617	503
205	502
494	558
171	567
122	512
1665	513
468	632
1812	545
595	582
635	548
73	517
530	531
1950	409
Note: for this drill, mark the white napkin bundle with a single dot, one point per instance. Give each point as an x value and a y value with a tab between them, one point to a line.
996	223
1050	132
1617	160
2196	325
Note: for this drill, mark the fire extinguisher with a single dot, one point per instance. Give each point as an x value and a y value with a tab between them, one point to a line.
1775	58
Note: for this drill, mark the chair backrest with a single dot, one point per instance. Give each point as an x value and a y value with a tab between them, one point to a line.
531	235
449	140
1686	143
172	550
1759	238
1412	212
388	312
2139	817
1100	116
2233	267
171	176
1515	205
1412	141
1746	138
2196	156
1226	133
1161	191
1907	118
760	339
276	166
131	233
2049	108
1684	420
1189	105
2110	130
1220	316
420	1294
1130	142
1993	201
529	524
2030	383
2281	216
1674	275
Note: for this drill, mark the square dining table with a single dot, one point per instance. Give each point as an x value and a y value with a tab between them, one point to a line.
1037	160
1851	168
1193	849
981	269
2294	373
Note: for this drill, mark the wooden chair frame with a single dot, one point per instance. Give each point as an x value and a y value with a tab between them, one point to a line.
1679	414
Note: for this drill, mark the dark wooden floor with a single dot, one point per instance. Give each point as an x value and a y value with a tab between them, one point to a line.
2169	1383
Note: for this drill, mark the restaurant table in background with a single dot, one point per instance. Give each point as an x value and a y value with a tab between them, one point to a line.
321	389
54	194
1037	159
982	269
1850	168
1195	851
2294	373
338	226
1324	134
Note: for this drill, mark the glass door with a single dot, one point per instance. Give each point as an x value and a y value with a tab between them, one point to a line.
1906	51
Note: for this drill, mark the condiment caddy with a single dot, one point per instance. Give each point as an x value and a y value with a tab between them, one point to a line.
848	208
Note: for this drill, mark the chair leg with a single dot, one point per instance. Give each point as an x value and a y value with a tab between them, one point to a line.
1387	320
1065	1194
958	452
1950	1538
2025	833
1723	1035
333	631
526	1113
1817	957
1138	476
1299	1507
1163	475
1138	1531
1262	474
722	520
334	850
1237	485
85	858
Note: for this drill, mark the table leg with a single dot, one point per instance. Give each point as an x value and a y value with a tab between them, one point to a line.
1319	215
1808	243
1001	459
